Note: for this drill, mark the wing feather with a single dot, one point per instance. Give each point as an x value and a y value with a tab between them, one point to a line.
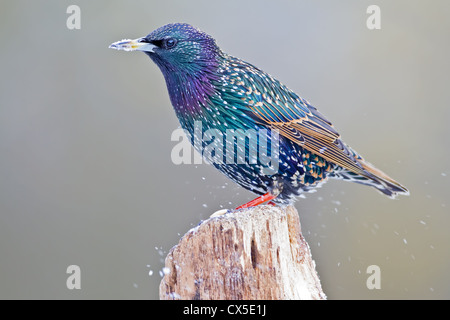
310	130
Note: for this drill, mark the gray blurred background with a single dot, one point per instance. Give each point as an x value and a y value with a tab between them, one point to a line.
86	176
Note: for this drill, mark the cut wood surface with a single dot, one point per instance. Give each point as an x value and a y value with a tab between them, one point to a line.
256	253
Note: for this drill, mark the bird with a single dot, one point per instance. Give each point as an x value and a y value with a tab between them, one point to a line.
226	94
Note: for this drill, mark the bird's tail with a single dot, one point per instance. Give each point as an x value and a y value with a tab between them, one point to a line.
372	177
383	182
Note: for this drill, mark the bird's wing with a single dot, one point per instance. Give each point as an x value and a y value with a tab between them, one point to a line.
304	125
274	105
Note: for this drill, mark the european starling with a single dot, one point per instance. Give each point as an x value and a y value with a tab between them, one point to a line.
228	95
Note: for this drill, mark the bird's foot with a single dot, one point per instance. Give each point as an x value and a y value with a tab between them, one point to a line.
255	202
260	200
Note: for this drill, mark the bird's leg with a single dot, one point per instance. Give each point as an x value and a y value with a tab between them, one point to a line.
255	202
260	200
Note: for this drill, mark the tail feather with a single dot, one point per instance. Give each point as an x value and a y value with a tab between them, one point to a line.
374	177
386	184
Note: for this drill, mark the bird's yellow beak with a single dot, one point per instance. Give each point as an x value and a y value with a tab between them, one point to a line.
140	44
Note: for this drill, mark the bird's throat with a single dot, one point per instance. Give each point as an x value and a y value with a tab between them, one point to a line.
189	95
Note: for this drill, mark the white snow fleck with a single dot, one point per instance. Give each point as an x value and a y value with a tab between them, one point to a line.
166	270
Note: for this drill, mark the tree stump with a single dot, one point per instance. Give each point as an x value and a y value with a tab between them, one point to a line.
256	253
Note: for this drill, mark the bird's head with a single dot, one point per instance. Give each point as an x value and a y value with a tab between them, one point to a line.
176	48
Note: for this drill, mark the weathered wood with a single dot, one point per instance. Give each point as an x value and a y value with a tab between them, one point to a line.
258	253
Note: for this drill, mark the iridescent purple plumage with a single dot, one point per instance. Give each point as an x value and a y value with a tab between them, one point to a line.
189	68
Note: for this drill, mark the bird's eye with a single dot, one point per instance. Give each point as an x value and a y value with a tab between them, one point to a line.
170	43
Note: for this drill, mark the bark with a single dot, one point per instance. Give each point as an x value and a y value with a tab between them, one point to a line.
256	253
